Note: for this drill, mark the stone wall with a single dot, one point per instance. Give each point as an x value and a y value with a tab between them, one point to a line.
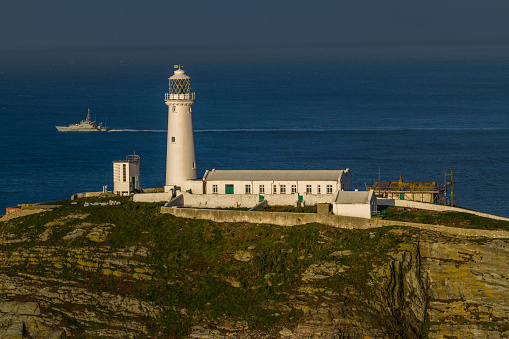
292	219
220	200
273	218
152	197
86	195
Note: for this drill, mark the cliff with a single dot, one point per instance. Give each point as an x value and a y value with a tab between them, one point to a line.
128	271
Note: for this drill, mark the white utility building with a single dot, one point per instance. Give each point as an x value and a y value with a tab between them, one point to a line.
126	175
360	204
180	158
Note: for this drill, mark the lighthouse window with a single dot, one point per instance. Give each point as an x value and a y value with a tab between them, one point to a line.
172	139
194	165
173	108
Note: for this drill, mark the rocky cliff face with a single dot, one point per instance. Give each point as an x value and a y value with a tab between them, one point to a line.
127	271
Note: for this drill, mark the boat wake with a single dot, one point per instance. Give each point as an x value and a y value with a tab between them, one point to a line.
138	130
374	129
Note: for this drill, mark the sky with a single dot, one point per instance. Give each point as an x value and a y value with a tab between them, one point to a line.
61	24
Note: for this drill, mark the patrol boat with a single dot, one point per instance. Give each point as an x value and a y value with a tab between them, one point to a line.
86	125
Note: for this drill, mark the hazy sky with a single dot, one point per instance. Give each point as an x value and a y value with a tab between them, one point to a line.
205	23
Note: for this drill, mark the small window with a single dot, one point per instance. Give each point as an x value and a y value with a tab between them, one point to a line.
308	189
194	165
274	189
124	173
172	139
190	109
248	189
329	189
294	189
318	189
282	189
173	109
262	189
214	189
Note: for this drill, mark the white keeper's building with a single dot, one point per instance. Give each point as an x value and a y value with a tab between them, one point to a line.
265	183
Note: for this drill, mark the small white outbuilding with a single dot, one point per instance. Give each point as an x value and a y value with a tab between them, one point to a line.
126	175
360	204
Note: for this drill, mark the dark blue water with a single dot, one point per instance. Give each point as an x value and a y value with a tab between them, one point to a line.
412	114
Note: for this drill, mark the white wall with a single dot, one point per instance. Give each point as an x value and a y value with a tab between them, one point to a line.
220	200
240	187
196	186
152	197
352	210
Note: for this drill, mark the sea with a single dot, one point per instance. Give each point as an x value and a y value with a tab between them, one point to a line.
409	111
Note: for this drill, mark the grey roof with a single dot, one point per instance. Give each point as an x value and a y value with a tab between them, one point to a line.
278	175
353	197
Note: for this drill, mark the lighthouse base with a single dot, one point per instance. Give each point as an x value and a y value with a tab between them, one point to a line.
174	190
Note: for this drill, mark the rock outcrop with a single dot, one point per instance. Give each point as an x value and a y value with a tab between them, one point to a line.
127	271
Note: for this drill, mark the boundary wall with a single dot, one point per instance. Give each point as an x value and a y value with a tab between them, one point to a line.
293	219
152	197
273	218
434	207
235	200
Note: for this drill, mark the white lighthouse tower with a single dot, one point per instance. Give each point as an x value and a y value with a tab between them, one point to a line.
180	158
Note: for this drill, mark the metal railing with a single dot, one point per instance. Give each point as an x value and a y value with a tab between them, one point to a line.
381	213
182	96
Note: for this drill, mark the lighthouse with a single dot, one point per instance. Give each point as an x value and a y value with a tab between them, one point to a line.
180	157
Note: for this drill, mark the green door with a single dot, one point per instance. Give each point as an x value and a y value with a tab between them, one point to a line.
228	189
402	196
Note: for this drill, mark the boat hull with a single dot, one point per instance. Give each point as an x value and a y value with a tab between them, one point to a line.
71	129
86	125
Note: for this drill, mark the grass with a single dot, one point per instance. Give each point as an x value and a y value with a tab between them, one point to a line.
454	219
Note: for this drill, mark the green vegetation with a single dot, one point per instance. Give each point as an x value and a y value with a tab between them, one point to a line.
454	219
194	276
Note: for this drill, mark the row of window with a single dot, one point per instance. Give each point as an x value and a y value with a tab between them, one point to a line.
174	109
282	189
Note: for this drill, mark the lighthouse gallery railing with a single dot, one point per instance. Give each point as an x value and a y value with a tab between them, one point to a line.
183	96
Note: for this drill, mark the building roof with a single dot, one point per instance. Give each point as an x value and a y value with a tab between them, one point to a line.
353	197
408	186
277	175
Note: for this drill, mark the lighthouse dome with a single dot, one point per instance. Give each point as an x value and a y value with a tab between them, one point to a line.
179	74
